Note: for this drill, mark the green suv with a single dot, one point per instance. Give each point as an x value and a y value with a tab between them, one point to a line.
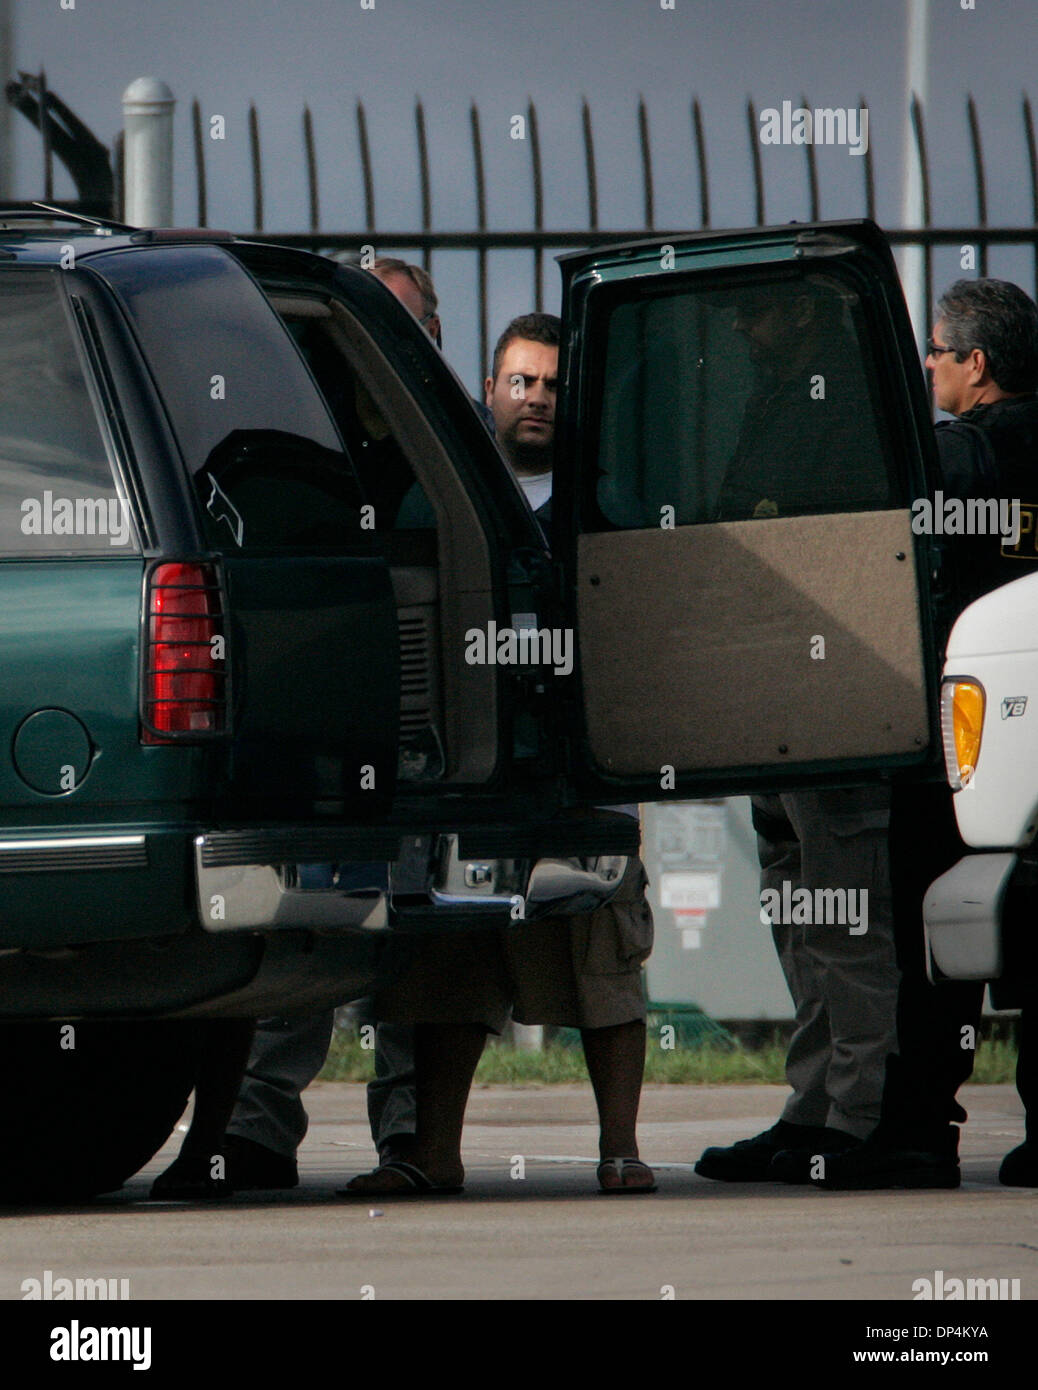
249	524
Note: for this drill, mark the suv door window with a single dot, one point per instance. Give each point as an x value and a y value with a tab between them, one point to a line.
386	477
750	403
58	493
401	516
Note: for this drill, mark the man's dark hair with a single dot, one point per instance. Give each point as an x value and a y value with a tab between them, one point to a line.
1002	321
538	328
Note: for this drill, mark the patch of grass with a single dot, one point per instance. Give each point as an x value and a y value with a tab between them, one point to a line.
995	1062
347	1060
711	1065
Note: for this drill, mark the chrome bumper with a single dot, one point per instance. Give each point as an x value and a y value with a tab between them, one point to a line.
265	897
323	897
550	887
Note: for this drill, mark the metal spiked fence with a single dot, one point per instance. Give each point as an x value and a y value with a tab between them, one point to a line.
480	240
67	139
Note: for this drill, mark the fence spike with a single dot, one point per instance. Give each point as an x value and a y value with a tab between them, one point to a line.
704	182
758	172
199	148
646	148
812	170
1032	164
257	168
538	204
919	130
589	164
423	177
978	173
481	217
868	171
311	169
365	166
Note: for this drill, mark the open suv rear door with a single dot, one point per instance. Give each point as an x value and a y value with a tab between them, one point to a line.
744	427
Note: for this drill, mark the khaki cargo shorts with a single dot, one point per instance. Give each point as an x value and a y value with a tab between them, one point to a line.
571	972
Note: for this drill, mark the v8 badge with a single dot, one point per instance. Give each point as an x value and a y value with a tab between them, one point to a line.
1013	705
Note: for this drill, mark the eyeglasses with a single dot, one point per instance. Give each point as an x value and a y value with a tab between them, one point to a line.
934	349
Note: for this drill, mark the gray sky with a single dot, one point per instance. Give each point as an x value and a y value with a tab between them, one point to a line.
331	52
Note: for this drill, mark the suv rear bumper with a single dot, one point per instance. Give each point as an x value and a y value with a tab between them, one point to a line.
566	837
427	882
285	936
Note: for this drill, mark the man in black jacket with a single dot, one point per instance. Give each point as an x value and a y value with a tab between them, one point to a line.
800	450
983	357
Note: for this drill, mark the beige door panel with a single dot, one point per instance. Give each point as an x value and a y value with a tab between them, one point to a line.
696	643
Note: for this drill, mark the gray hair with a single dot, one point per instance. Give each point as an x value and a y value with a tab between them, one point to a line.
997	317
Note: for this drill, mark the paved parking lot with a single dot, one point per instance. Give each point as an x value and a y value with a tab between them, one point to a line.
548	1234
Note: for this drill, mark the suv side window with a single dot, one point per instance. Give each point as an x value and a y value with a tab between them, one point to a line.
57	489
386	477
263	453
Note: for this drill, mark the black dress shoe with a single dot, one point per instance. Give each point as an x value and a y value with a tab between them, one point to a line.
252	1166
749	1160
1020	1166
886	1160
801	1165
190	1180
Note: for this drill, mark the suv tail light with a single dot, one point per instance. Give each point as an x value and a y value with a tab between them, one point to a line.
184	657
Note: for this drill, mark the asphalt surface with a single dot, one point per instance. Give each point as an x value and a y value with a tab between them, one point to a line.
548	1234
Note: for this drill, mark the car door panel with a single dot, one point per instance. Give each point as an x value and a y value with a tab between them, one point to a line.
314	727
742	435
773	691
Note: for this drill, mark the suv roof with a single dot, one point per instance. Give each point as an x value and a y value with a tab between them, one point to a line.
36	235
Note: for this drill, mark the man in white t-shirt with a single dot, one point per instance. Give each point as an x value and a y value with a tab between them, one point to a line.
521	394
583	971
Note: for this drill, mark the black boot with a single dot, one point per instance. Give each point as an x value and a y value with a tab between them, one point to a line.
749	1160
895	1159
802	1165
1020	1166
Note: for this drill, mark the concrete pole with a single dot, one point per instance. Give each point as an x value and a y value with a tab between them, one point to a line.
148	158
6	70
917	43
